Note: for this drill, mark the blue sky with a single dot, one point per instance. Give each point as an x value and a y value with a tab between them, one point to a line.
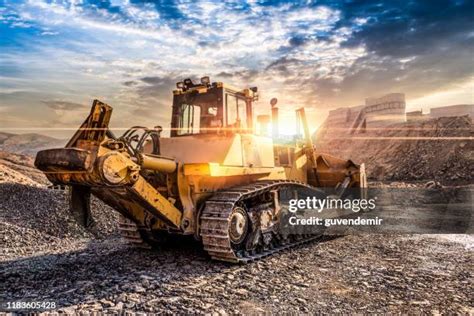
56	56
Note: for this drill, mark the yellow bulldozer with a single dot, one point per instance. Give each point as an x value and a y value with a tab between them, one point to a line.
220	176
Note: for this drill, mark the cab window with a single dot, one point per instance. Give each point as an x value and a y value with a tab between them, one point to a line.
198	113
236	113
189	120
231	110
242	113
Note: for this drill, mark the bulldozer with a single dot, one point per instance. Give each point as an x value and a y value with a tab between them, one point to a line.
223	174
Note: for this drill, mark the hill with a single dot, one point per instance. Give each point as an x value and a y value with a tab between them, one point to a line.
27	144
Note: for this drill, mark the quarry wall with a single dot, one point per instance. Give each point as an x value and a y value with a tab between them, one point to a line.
381	112
375	113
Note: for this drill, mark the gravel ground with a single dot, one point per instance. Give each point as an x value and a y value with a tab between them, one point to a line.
46	257
42	212
350	274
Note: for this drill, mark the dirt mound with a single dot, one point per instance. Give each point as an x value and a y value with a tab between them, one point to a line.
20	169
30	215
9	175
436	149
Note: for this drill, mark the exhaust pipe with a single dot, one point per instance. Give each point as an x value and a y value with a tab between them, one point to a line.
275	124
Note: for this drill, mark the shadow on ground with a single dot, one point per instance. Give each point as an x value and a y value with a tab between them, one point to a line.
103	269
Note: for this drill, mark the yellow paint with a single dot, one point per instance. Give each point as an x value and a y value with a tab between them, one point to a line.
216	170
160	205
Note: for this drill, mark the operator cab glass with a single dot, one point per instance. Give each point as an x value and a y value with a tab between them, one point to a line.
236	112
215	111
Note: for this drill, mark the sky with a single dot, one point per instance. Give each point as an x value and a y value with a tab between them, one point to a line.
57	56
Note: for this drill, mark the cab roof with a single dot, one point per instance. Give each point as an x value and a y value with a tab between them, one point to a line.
187	86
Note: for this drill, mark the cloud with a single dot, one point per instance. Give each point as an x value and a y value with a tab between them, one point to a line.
155	81
63	105
130	83
66	113
412	27
323	55
45	33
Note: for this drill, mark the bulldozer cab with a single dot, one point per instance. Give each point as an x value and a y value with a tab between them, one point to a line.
207	108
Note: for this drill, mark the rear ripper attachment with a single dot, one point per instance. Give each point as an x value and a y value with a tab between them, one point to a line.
114	170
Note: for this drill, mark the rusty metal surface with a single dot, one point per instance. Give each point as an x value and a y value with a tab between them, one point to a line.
95	127
71	159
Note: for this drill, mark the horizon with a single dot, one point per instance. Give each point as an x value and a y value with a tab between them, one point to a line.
58	132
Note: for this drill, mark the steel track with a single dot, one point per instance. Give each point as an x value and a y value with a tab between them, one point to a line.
129	231
216	215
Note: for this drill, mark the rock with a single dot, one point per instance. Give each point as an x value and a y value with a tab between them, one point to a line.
107	303
139	289
146	277
172	299
241	291
118	306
